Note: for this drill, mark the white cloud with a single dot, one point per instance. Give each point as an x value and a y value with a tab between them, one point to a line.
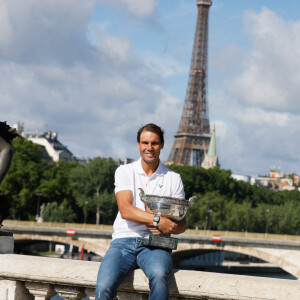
164	66
40	31
255	99
60	72
271	77
95	94
256	116
116	49
138	8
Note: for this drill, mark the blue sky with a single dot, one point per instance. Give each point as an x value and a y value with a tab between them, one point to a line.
96	70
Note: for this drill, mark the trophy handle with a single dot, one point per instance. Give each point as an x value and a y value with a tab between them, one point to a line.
191	201
142	194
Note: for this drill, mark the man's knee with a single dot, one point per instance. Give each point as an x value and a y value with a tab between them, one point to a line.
158	272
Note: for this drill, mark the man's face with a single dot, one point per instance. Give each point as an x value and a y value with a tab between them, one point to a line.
149	147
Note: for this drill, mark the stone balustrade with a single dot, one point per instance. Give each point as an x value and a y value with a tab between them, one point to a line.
30	277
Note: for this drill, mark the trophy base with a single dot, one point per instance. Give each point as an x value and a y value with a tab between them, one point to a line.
161	241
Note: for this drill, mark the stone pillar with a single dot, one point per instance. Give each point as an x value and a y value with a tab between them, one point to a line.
90	292
40	291
6	242
14	290
70	292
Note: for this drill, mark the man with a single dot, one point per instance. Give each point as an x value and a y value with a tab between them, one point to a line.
134	223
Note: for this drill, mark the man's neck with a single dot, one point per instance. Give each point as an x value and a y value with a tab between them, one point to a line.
149	168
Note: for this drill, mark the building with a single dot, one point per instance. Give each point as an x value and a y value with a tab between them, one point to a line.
276	180
245	178
53	149
124	162
211	157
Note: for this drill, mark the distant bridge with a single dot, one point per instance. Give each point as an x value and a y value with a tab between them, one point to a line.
280	250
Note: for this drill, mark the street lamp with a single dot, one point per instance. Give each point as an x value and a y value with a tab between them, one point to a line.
208	218
38	194
85	211
267	220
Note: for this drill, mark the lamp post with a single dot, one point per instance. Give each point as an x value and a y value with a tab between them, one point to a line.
267	220
38	194
208	218
85	211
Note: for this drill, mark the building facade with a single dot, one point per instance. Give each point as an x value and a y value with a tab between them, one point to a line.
53	149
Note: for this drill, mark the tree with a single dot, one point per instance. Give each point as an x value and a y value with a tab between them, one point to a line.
88	181
55	183
239	217
108	206
68	191
58	213
31	181
207	211
23	178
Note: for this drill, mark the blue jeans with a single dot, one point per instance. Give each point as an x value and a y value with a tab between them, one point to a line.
125	255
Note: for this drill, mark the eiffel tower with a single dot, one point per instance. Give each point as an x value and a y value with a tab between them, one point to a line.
193	135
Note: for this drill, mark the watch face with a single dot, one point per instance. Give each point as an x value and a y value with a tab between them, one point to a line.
156	218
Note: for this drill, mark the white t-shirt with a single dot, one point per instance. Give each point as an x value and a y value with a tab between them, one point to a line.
163	182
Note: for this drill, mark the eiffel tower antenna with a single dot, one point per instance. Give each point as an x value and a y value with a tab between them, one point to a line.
193	135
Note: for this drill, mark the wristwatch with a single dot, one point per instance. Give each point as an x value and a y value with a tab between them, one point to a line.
156	219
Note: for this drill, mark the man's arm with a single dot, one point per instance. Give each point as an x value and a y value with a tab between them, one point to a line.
135	214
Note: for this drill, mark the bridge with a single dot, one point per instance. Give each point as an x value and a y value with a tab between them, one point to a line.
280	250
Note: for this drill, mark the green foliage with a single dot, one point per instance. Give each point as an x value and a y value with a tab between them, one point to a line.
108	207
31	181
71	192
88	184
58	213
23	178
237	205
206	213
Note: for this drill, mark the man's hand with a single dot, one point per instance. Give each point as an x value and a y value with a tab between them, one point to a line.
154	230
165	226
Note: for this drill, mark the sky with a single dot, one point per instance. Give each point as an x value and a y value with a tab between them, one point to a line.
97	70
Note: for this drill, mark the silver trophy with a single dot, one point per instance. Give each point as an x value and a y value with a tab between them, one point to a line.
173	208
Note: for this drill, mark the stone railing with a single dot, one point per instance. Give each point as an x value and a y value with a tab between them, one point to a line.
40	278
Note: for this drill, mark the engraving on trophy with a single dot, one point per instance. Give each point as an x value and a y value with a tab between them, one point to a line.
173	208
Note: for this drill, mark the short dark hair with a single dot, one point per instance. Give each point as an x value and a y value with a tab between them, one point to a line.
153	128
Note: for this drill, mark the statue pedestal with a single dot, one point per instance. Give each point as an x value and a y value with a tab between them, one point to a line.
6	242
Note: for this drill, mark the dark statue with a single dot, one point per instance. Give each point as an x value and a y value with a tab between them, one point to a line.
7	134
